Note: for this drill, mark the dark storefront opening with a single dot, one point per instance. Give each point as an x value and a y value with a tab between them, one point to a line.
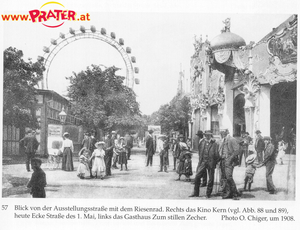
283	102
239	124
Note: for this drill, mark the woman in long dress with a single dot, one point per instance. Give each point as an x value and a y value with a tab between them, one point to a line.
98	168
122	153
185	159
67	149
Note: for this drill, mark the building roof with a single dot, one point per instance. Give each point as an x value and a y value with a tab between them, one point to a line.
286	24
53	94
227	41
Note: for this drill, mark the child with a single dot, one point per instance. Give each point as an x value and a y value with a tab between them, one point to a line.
37	182
99	164
281	151
83	167
122	153
250	171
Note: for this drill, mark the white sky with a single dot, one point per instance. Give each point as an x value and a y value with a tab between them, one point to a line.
160	34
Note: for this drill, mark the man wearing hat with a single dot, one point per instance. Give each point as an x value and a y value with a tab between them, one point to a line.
86	142
115	156
259	145
30	144
201	142
229	150
269	162
163	148
150	148
245	142
208	158
109	145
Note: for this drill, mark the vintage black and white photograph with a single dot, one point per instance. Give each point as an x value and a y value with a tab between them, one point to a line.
149	105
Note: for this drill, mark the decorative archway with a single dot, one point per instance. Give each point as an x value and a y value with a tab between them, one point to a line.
83	33
239	123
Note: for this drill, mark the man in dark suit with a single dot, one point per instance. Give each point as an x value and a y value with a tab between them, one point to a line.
229	150
200	143
30	144
208	158
259	146
269	162
150	148
109	145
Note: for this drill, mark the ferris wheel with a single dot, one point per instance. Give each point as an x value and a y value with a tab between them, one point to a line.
63	40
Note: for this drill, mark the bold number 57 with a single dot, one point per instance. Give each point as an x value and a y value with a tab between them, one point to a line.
4	207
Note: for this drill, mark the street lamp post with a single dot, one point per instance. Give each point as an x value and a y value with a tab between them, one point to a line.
62	116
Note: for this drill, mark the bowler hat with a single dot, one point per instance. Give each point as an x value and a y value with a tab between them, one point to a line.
199	133
150	131
258	132
66	134
207	132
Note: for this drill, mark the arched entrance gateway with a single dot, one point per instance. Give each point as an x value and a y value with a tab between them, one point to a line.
283	109
239	124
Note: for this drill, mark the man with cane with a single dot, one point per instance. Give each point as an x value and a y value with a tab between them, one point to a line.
208	158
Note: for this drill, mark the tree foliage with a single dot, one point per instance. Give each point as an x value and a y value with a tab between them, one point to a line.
173	116
102	100
19	79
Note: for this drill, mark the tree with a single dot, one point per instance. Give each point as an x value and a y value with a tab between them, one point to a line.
20	79
101	99
173	116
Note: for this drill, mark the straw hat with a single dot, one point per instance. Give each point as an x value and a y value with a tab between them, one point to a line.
250	159
99	143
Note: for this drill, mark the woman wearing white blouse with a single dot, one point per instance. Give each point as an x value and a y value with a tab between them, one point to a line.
67	149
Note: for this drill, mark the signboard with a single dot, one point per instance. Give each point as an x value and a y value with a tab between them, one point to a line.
55	130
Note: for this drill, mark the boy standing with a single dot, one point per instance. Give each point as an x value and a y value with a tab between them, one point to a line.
37	182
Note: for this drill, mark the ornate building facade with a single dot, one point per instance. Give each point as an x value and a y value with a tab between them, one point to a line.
245	87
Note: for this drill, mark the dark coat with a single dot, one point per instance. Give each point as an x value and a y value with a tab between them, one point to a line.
269	154
150	148
213	153
259	144
37	183
109	145
233	146
30	143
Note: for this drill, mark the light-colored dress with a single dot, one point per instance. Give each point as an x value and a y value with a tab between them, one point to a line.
99	164
281	151
83	167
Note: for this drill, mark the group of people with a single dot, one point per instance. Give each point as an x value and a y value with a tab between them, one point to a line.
226	153
97	160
